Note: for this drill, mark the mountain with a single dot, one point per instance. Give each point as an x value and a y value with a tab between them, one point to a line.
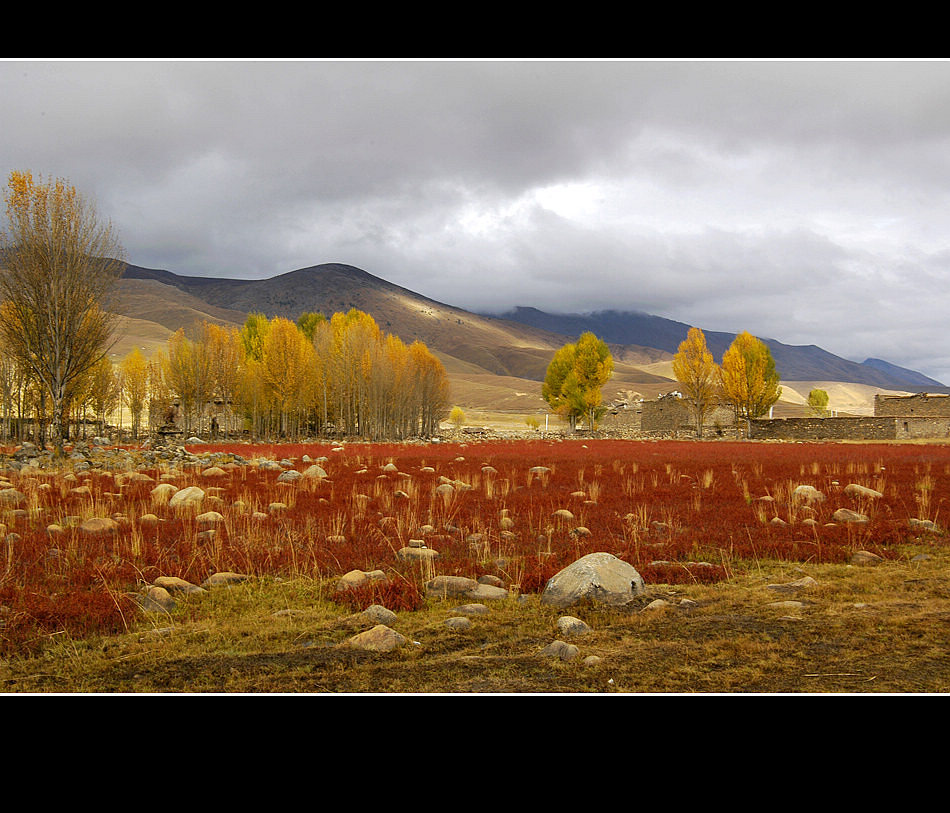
794	362
482	354
493	361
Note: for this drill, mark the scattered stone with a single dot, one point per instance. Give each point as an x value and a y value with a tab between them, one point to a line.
487	592
209	519
847	515
857	491
804	583
927	525
458	623
865	557
807	494
657	604
224	578
471	609
314	472
192	495
564	515
445	586
598	578
561	650
173	584
378	614
156	600
98	526
379	639
214	471
592	660
570	626
411	554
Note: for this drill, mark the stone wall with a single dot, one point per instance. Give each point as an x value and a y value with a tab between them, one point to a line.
674	415
921	405
859	428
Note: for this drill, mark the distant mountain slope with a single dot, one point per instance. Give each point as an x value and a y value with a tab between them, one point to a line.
494	345
794	362
913	378
518	344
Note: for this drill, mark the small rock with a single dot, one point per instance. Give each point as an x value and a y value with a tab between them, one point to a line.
561	650
379	639
847	515
857	491
224	578
865	557
805	583
569	626
378	614
458	623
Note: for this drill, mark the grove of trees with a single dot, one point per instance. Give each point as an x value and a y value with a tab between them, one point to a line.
59	270
747	379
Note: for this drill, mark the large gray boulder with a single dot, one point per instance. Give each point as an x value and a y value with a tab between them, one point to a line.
598	578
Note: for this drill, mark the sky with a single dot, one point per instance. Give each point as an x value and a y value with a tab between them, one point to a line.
805	201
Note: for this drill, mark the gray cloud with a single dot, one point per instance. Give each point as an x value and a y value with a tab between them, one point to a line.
805	201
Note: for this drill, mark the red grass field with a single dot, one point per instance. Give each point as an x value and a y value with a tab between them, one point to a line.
677	511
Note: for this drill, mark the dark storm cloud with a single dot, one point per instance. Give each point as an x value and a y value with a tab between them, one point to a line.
805	201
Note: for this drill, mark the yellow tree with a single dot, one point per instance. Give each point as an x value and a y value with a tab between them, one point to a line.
135	378
696	370
286	360
103	390
575	378
62	266
222	346
748	378
188	375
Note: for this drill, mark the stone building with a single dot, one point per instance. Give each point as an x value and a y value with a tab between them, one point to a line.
672	414
921	405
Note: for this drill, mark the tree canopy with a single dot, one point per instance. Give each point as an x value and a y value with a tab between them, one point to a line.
698	373
748	378
62	266
575	377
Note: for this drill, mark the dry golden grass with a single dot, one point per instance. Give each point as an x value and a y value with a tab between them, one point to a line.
860	629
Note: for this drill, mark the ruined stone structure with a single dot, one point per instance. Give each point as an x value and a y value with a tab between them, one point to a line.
922	417
921	405
671	414
851	428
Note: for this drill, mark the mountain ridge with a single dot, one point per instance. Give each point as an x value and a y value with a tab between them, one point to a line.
794	362
517	343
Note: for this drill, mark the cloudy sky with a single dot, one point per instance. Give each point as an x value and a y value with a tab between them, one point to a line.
803	201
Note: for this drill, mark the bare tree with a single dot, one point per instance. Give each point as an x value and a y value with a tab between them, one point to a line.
62	266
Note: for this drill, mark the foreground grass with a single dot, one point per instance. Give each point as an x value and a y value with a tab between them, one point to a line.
875	629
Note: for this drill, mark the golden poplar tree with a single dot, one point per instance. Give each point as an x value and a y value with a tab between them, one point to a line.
61	268
748	378
697	372
134	370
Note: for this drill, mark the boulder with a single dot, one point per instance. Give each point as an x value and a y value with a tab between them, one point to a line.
857	491
847	515
598	578
98	526
192	495
807	494
378	639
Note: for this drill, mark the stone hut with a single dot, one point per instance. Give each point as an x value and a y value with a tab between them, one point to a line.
921	405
